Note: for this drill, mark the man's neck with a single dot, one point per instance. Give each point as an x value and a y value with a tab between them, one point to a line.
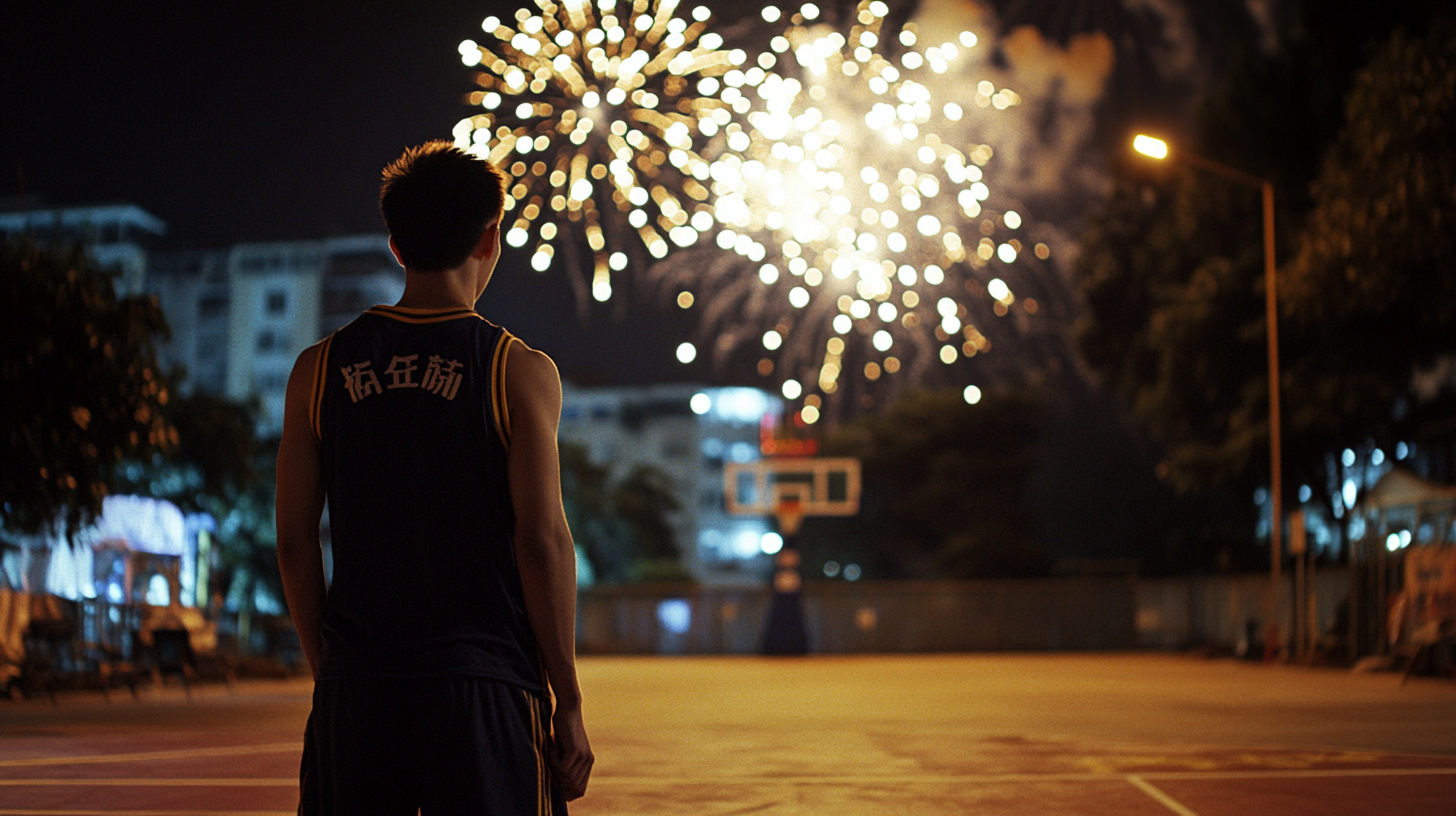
452	288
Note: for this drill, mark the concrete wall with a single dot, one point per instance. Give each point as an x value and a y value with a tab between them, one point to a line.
1176	612
891	616
935	616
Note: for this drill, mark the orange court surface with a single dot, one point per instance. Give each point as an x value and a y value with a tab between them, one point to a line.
1094	734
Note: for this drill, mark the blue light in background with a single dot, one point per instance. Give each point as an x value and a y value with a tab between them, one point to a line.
675	615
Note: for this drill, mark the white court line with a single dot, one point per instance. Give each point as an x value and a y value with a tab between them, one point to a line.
236	750
1089	776
1311	773
1161	798
88	782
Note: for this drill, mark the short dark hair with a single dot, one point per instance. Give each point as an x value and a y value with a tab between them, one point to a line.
437	201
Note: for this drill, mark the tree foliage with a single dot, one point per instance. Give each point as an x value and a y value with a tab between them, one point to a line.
82	390
1171	268
1170	278
621	525
944	487
1373	287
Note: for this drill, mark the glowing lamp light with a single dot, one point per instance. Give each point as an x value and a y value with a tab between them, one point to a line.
972	395
686	353
792	389
1148	146
700	403
771	543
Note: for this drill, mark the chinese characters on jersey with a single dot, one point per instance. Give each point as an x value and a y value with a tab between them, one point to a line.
441	376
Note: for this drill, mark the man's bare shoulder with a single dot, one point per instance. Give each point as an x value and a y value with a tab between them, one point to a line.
531	375
304	367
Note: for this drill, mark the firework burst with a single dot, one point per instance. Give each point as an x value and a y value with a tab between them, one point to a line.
853	211
594	111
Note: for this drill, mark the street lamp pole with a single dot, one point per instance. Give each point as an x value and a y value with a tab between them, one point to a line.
1158	149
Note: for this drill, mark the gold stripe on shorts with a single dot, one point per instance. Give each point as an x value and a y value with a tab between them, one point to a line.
543	792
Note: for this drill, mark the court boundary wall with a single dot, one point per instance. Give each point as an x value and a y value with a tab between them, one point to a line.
1050	614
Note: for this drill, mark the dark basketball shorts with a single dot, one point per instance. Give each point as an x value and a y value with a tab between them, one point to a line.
446	746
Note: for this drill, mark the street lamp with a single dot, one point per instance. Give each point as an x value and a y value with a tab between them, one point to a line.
1158	149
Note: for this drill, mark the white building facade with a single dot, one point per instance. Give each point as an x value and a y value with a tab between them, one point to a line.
240	316
688	432
115	235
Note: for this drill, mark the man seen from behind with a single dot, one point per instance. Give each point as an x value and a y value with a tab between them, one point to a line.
449	624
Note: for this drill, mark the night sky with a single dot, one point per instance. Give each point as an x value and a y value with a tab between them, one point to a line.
260	121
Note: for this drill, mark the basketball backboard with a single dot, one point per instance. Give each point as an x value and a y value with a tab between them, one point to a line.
820	486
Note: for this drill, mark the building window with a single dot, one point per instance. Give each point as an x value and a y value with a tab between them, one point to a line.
212	306
277	302
269	341
272	381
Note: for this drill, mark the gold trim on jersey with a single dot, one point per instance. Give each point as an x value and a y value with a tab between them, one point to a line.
499	408
320	376
407	315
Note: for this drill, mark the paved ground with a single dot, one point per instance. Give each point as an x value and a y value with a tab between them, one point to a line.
985	734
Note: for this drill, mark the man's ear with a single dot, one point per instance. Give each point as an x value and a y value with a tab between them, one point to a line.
489	241
394	248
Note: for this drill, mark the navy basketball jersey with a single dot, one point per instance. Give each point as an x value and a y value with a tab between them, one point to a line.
410	412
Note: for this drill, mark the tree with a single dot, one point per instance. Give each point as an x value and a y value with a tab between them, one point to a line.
1372	290
1174	322
643	500
944	487
83	392
621	526
1172	277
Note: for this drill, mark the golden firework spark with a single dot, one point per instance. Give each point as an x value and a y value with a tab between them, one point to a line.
856	195
598	113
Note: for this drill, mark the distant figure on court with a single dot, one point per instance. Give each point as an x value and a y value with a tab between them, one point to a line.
449	625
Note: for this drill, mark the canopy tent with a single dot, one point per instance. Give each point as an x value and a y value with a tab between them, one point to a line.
1401	488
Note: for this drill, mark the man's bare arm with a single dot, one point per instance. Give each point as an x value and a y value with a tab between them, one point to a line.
300	504
544	550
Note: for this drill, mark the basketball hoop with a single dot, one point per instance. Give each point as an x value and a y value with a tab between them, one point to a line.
789	511
790	489
824	486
